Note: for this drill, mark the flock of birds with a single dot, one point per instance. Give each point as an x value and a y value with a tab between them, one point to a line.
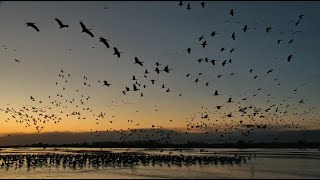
236	114
98	160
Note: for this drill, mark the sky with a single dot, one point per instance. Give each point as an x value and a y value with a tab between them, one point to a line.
158	32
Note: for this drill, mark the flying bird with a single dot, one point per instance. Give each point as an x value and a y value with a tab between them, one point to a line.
180	3
231	12
116	52
301	16
33	26
137	61
104	41
245	28
134	78
291	41
84	29
224	62
268	29
166	69
233	36
213	62
200	38
189	50
202	4
204	44
61	24
213	33
270	71
289	58
188	7
106	83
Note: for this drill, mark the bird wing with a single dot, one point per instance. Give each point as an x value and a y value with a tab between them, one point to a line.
35	27
88	32
59	22
83	26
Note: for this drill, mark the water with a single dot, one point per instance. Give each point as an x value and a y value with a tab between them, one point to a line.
265	163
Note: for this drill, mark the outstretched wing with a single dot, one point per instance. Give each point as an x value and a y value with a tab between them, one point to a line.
90	33
35	27
59	22
83	26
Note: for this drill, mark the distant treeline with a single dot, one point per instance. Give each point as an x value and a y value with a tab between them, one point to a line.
157	144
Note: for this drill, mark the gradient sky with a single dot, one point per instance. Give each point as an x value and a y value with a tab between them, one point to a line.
157	31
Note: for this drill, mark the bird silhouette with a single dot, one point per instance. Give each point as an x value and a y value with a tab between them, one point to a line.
289	58
229	100
224	62
104	41
189	50
16	60
134	78
268	29
213	62
270	71
188	7
61	24
200	38
233	36
180	3
116	52
106	83
157	70
137	61
204	44
85	30
291	41
33	26
135	88
166	69
245	28
231	12
202	4
300	16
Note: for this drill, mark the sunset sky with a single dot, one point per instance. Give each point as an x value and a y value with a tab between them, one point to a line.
158	32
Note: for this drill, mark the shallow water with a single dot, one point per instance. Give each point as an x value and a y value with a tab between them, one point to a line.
265	163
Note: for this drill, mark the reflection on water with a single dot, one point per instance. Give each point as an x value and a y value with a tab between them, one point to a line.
132	163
